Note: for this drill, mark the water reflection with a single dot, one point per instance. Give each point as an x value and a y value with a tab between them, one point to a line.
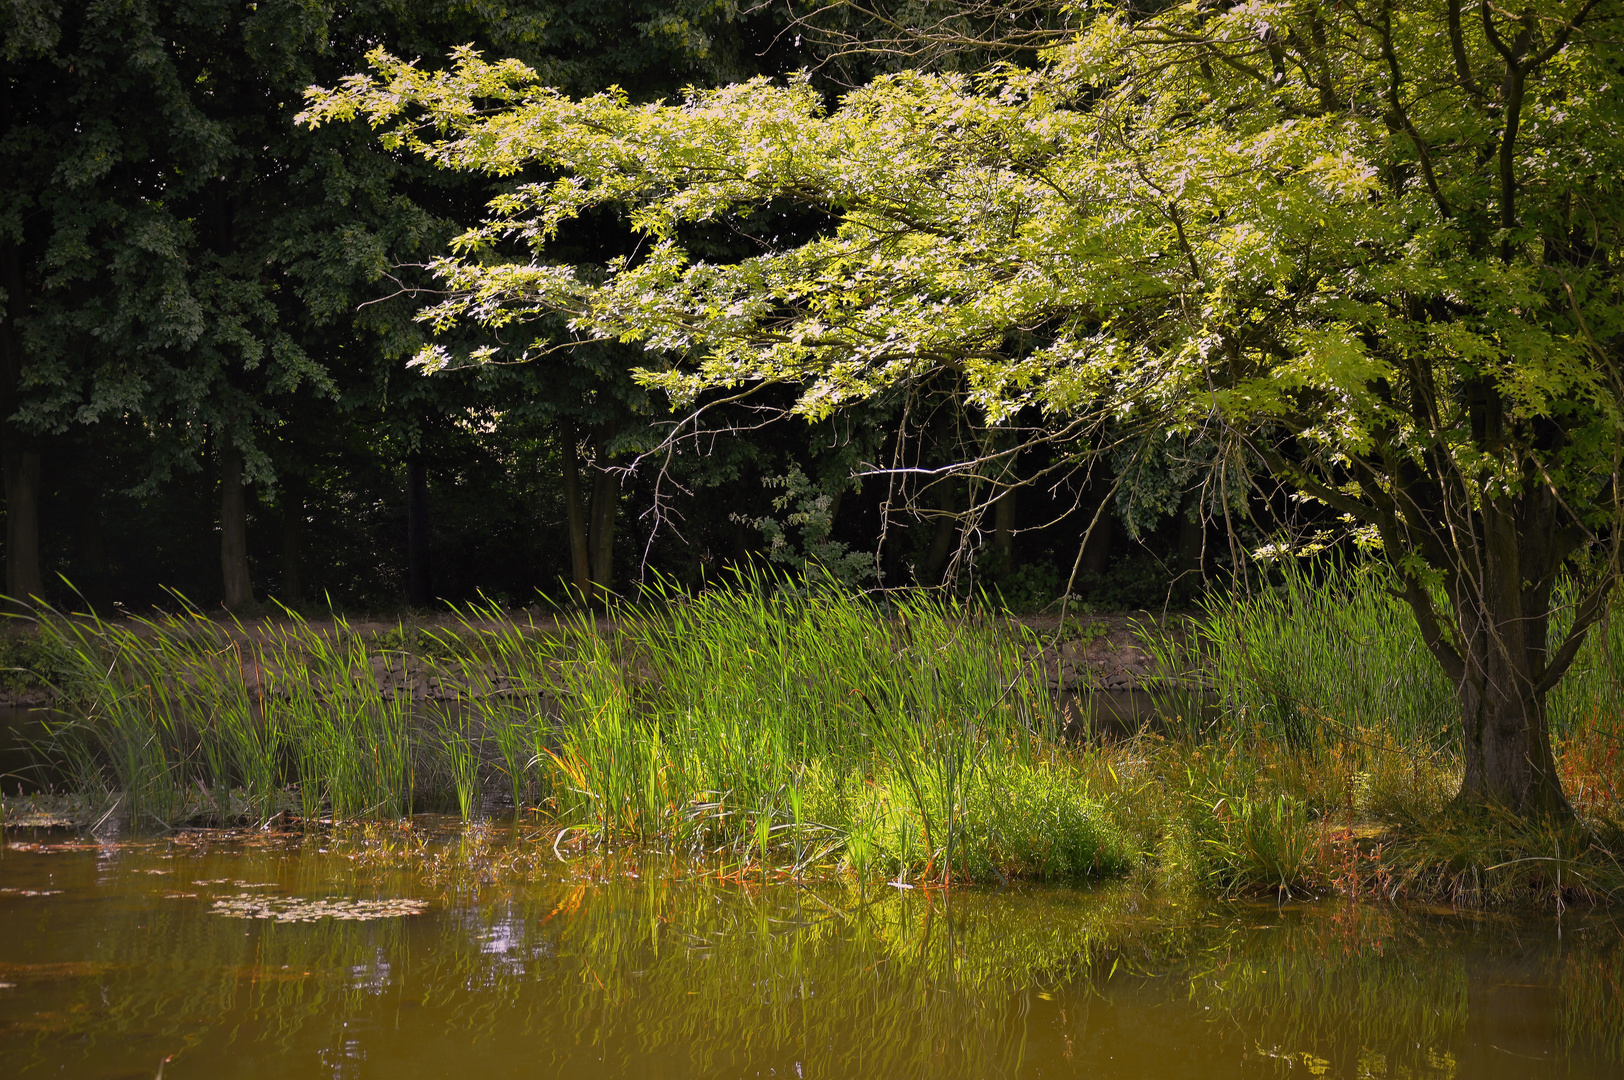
600	974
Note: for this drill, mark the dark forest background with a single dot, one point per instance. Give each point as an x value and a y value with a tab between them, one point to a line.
209	309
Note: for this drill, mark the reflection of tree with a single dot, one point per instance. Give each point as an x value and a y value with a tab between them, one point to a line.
1362	991
603	972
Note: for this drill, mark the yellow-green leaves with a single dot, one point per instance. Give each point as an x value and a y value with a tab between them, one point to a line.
1288	216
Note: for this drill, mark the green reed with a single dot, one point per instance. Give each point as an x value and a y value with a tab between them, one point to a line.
177	708
1330	648
802	723
1328	644
500	669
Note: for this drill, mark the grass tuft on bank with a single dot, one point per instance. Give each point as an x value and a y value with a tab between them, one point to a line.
1305	746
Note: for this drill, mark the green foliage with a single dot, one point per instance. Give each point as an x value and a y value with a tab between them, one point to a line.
1372	252
1030	586
810	507
1325	646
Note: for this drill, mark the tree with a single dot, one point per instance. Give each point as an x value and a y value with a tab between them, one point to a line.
1370	244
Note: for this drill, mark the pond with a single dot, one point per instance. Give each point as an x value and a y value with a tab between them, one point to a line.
217	954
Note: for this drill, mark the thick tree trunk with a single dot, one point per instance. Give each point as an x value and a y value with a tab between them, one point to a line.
575	514
1097	553
604	517
419	586
1502	624
93	579
238	590
1500	560
1192	539
293	525
19	458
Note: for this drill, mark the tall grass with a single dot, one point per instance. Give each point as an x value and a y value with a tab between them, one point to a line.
1328	645
812	724
781	726
784	724
181	715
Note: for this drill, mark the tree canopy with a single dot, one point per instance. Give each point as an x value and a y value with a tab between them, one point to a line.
1369	245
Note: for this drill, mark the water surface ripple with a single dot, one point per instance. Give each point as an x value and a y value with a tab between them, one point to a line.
255	956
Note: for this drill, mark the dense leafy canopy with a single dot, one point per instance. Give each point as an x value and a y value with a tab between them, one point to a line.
1372	245
1274	214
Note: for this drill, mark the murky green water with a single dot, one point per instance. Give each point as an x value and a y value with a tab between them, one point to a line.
114	957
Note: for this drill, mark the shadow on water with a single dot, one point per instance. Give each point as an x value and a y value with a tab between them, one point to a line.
20	770
117	956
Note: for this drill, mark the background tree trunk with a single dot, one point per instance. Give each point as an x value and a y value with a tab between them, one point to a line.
576	514
1003	532
293	525
238	590
605	504
1097	553
419	586
947	530
19	459
21	467
1192	538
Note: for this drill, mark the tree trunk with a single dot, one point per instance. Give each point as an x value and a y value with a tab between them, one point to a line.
293	525
1499	571
93	578
1503	623
21	467
1192	539
576	514
238	590
19	458
1097	553
419	587
601	529
941	542
1003	532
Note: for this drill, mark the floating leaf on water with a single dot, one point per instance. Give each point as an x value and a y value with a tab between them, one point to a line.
299	909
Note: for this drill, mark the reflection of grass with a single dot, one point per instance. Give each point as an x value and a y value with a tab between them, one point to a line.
613	961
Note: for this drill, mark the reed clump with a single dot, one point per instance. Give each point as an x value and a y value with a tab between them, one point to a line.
796	726
1305	745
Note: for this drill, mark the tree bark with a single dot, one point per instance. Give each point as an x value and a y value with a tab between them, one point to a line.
92	579
238	589
1500	558
419	586
575	514
605	504
1192	539
1503	625
1097	555
19	457
941	542
23	578
1003	532
293	525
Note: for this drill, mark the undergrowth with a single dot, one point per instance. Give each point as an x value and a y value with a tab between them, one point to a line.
1305	749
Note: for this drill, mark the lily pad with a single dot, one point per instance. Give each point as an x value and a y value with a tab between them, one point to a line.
300	909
